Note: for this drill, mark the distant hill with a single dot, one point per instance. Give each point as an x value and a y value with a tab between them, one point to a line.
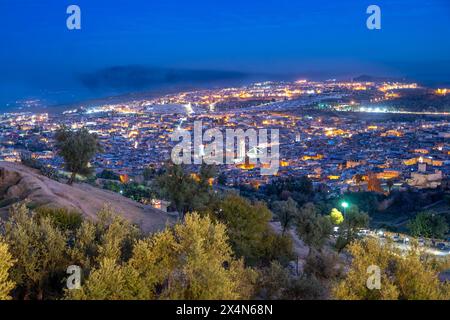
18	183
367	78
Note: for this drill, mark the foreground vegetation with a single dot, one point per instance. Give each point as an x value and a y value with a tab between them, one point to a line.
203	257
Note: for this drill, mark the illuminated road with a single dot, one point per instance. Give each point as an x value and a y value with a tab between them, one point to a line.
406	246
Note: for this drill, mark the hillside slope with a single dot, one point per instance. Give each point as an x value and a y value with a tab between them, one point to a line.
18	183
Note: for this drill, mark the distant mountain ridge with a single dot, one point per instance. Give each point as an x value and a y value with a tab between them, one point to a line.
368	78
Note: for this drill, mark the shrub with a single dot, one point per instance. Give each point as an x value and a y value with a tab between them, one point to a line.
64	219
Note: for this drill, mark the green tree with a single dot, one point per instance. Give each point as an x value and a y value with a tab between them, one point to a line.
428	224
277	283
206	174
313	228
365	201
111	281
77	148
108	175
299	189
275	247
115	235
246	226
6	262
64	219
39	249
84	250
273	282
320	272
354	220
324	266
187	192
403	275
110	237
336	217
191	261
286	212
305	288
251	235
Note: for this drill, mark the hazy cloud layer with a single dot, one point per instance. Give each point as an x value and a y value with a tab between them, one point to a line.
142	77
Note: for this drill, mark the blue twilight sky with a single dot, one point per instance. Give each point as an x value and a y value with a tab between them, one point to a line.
122	41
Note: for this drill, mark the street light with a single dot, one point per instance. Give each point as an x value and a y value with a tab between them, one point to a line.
345	205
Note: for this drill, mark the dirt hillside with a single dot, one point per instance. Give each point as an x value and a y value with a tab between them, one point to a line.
18	183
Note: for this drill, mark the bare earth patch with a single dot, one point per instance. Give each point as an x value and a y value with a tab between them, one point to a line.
19	183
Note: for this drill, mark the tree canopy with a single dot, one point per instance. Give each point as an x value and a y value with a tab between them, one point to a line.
39	250
286	212
428	224
191	261
250	234
336	216
354	220
6	262
313	228
188	192
77	148
299	189
405	276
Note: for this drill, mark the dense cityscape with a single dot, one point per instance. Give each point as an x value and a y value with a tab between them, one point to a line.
329	132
